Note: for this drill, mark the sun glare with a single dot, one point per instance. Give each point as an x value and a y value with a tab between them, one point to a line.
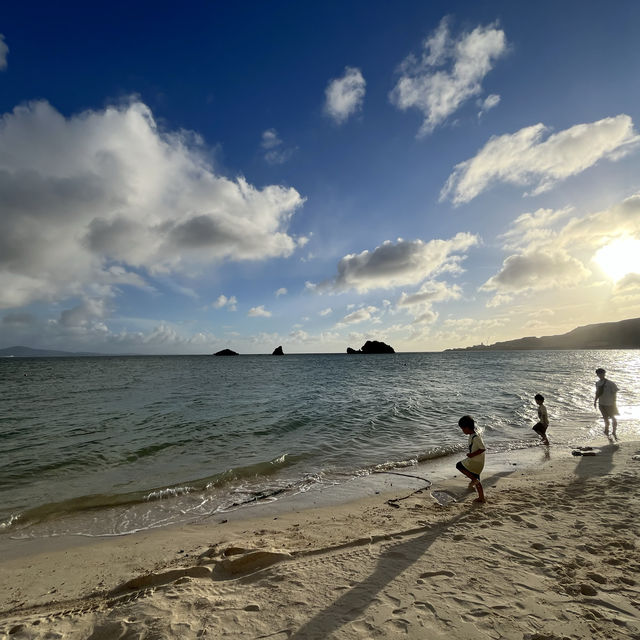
618	258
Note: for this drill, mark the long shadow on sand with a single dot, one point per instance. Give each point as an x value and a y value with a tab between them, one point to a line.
391	564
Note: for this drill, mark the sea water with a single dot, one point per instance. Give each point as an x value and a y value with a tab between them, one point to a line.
112	445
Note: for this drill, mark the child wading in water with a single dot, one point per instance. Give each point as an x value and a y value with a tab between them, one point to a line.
542	425
473	464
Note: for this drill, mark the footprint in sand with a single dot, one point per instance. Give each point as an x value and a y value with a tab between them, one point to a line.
433	574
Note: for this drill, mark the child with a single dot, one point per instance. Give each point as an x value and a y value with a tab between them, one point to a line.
473	464
542	425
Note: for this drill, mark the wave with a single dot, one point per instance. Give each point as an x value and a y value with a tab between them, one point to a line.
235	475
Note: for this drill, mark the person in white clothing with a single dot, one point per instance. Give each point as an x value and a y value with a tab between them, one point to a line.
606	395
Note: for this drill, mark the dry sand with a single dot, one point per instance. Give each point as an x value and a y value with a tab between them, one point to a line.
553	554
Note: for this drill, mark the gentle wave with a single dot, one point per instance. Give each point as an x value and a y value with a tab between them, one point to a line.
58	509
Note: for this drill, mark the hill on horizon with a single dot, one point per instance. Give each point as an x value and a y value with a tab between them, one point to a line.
624	334
28	352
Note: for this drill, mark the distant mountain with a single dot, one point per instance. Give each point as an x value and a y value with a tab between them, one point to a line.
606	335
27	352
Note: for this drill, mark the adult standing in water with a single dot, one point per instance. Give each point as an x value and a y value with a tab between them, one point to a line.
606	391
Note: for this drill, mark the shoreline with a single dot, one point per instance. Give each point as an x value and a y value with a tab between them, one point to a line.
428	474
333	492
87	578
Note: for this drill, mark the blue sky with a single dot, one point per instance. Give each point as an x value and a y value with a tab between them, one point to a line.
186	178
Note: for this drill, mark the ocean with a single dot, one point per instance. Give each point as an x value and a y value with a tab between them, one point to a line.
111	445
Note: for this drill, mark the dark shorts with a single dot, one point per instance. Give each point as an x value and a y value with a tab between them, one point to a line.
608	410
540	428
461	467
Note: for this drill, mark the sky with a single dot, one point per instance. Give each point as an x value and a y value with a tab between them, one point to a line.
184	178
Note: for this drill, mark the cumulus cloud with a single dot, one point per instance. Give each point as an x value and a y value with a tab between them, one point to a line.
4	52
448	72
274	150
325	312
223	301
360	315
525	159
399	264
282	291
536	270
344	96
111	188
90	310
257	312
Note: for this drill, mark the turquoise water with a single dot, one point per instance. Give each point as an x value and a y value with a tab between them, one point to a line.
110	445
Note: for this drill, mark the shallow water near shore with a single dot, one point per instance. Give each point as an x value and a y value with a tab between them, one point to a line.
112	445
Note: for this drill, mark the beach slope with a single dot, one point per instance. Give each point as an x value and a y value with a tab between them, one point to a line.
552	555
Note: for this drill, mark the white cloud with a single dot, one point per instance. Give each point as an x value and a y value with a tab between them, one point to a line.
399	264
533	228
82	315
325	312
282	291
430	292
344	96
360	315
536	270
499	299
488	103
438	92
223	301
630	281
524	159
257	312
4	51
111	187
275	151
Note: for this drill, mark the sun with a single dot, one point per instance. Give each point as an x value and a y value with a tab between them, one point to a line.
620	257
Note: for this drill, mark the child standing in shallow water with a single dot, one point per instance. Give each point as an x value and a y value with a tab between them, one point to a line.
543	419
473	464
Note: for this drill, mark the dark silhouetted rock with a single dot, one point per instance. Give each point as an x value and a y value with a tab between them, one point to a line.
373	346
278	352
226	352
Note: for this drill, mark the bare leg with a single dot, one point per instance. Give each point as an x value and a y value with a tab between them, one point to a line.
614	424
480	491
475	484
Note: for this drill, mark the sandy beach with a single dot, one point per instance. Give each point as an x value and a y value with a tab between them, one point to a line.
552	555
